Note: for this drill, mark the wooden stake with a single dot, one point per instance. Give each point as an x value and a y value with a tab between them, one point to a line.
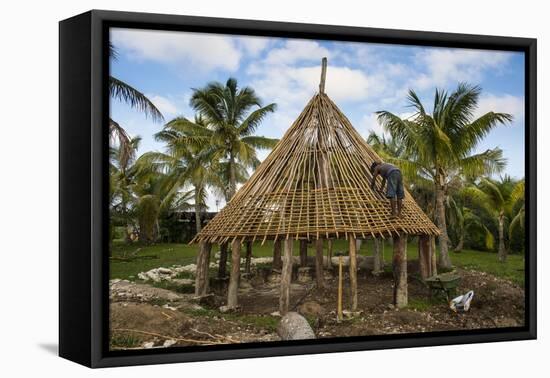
232	300
434	257
400	298
286	275
377	263
340	289
329	253
353	272
248	257
203	265
323	75
277	262
424	257
319	263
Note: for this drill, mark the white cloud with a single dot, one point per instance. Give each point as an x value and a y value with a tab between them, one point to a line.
166	106
295	51
506	103
203	51
253	46
445	66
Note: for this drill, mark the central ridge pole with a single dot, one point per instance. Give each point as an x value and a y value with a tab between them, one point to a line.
323	75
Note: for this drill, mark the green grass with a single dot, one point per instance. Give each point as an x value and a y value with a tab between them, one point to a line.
266	322
165	255
420	304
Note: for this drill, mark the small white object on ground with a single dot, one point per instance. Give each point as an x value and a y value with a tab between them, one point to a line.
462	302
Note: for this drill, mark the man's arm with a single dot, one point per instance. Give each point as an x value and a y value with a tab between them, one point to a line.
383	184
374	176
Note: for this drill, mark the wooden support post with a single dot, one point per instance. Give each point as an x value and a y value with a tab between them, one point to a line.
319	275
434	256
277	262
323	75
329	253
353	272
286	275
303	253
232	300
400	298
203	265
222	268
340	288
377	258
424	256
248	257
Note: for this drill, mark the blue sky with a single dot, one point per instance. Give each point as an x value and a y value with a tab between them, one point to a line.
361	78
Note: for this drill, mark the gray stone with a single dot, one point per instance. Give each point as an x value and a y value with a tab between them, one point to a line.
294	326
311	308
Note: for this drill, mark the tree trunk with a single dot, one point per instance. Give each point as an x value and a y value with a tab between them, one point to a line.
277	262
286	275
198	225
377	261
222	269
232	178
329	253
303	253
319	274
233	288
400	297
248	257
434	256
444	259
353	272
203	265
460	246
424	256
502	255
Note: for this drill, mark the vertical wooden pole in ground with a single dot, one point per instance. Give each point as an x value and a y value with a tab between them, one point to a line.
377	262
340	288
319	275
203	265
286	275
353	272
222	268
424	256
303	253
329	253
248	260
400	297
277	262
434	256
232	300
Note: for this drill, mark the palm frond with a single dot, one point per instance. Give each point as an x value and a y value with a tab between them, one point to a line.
128	94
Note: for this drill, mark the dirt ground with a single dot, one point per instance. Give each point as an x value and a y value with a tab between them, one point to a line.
143	316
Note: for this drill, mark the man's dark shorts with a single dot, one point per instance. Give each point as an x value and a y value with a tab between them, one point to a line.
395	185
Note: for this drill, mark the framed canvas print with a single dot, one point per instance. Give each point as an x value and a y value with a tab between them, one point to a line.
234	188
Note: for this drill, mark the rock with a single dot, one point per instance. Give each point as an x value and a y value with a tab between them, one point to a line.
226	309
294	326
169	343
274	277
148	345
311	308
164	271
276	313
183	281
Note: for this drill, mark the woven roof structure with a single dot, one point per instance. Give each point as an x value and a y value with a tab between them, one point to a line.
315	184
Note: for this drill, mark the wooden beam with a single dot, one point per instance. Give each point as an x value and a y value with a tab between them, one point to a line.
319	275
329	253
203	265
353	272
424	256
277	262
286	276
222	268
377	257
248	257
233	288
400	296
323	75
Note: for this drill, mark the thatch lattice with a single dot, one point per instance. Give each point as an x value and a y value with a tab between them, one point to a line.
315	184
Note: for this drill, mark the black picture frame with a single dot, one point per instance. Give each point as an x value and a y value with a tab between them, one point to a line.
83	163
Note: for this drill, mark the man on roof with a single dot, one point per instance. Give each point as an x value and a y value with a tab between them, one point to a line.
391	175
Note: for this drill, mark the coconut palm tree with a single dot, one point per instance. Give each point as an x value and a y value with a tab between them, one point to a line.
439	145
504	200
233	114
124	92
